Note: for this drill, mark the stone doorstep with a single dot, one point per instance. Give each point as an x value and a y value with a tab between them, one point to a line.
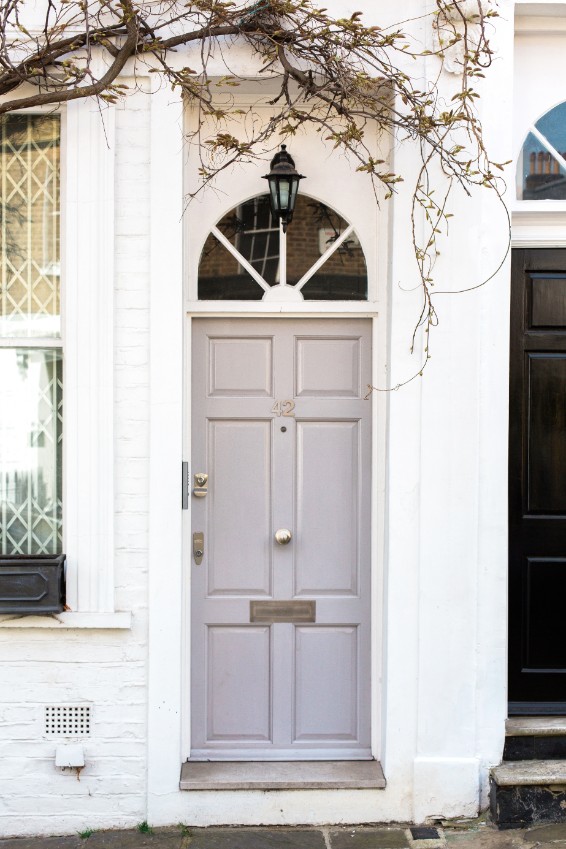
535	726
530	773
281	775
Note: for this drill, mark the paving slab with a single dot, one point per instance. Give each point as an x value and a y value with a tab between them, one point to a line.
368	838
548	833
159	838
489	838
41	843
250	838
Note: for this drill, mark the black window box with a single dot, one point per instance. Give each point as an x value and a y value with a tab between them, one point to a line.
32	583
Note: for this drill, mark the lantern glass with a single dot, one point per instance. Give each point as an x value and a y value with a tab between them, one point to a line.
294	191
284	195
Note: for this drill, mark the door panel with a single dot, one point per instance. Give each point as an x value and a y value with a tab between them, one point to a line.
328	367
326	659
546	433
241	367
281	428
537	483
239	463
327	474
238	683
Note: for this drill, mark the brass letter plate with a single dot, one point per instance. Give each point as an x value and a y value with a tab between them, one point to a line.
282	611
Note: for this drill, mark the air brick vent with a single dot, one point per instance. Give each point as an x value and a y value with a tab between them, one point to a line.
67	720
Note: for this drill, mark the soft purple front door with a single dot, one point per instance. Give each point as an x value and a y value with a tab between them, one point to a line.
281	595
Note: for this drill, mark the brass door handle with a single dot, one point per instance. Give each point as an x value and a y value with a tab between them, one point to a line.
283	536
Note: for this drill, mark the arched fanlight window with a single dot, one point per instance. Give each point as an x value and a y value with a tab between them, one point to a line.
248	257
541	170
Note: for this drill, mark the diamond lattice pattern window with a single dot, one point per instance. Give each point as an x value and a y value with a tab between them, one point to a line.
30	336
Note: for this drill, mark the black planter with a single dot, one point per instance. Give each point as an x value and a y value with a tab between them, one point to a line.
32	583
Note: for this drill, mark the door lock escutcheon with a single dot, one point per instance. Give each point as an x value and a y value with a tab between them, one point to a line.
198	547
200	488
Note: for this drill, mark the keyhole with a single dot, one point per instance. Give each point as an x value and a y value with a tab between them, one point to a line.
283	430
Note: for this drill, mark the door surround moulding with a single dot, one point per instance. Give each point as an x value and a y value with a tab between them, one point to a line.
534	226
379	403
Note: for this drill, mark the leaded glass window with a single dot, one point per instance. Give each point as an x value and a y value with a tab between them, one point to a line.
30	336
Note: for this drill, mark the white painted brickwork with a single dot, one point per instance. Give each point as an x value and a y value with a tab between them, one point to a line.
104	668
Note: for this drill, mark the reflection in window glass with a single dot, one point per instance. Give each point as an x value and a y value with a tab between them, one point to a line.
343	276
252	232
30	451
540	175
29	225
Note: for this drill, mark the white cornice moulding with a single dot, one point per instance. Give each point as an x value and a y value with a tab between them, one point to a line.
540	26
119	621
539	228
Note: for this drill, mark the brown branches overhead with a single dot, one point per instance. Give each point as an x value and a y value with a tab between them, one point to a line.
339	76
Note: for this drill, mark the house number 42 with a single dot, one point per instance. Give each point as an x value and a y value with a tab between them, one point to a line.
284	408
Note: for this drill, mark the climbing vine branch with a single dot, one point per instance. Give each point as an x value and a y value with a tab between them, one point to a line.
339	76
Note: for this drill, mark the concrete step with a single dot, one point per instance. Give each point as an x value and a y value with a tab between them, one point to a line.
525	793
529	773
535	738
281	775
535	726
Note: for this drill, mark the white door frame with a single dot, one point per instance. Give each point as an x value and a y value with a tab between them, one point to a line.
379	413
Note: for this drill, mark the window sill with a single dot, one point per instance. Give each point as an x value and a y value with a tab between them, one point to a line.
119	621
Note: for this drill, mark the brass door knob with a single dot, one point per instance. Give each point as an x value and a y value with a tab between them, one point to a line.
283	536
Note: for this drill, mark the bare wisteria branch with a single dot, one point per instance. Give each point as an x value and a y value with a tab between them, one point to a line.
339	76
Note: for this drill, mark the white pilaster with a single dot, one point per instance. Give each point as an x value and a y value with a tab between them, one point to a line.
88	251
166	420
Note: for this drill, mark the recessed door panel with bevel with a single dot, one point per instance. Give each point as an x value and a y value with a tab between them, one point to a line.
328	367
239	562
281	593
238	683
326	670
327	472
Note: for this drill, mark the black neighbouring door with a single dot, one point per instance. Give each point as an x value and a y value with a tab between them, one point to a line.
537	483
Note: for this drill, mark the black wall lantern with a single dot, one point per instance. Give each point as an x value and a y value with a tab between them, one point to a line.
283	182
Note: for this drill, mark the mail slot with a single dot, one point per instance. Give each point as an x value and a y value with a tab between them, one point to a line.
282	611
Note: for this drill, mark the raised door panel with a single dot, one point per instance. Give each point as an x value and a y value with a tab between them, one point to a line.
328	508
546	484
544	646
238	687
240	367
326	684
548	301
239	507
327	367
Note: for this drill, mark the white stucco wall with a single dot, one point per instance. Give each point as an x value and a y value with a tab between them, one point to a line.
442	572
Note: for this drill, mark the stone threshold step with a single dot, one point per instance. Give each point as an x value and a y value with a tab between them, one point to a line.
281	775
522	773
535	726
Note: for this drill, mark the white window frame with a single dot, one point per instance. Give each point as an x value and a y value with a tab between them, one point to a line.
536	223
53	343
87	296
